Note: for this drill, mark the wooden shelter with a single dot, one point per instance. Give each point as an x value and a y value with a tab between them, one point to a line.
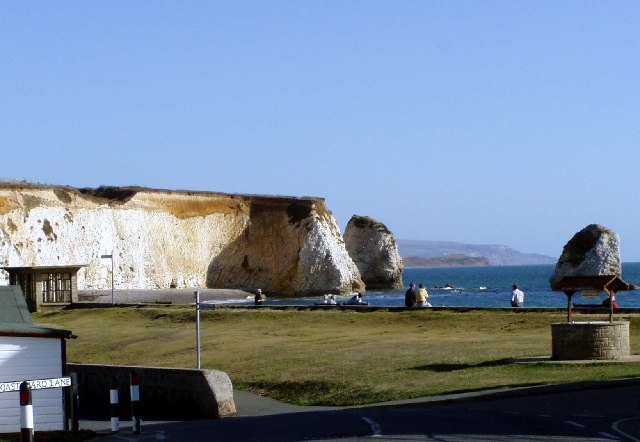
610	284
46	285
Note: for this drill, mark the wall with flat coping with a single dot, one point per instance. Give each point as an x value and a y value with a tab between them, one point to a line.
590	340
165	393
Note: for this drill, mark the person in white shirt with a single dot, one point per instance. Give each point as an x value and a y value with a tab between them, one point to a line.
517	296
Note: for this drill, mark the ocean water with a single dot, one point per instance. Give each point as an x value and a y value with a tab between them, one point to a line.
485	287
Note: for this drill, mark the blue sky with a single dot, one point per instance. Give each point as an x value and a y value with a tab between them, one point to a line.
486	122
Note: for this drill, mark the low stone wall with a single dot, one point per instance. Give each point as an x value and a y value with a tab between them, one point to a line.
165	393
590	340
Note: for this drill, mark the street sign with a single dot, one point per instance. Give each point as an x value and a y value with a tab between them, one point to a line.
36	384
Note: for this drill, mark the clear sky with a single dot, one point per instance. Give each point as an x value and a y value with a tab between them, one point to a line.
485	122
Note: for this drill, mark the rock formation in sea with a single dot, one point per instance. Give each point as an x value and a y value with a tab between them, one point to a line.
374	250
183	239
593	251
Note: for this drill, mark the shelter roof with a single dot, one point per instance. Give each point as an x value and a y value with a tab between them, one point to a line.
15	319
612	283
74	267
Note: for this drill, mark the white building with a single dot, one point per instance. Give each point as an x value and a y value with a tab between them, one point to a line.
29	352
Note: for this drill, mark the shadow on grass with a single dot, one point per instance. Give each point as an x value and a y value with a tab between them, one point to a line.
444	368
293	387
314	392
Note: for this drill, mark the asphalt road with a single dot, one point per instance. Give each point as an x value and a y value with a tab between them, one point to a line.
596	412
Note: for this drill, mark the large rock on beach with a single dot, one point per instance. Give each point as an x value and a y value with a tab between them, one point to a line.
593	251
374	250
164	239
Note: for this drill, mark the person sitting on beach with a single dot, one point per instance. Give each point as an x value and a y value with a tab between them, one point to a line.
332	300
422	296
260	297
410	296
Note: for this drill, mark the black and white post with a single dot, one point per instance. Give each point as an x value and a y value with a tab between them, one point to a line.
197	293
135	403
74	406
114	406
26	413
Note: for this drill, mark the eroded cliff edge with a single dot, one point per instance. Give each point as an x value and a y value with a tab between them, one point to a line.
162	238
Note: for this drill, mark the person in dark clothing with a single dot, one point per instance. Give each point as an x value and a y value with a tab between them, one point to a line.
260	297
410	296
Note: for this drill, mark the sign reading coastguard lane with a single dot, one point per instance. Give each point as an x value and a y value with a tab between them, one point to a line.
37	384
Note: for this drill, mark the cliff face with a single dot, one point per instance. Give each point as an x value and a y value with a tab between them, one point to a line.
445	261
162	239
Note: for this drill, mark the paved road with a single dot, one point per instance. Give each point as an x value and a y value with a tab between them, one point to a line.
600	413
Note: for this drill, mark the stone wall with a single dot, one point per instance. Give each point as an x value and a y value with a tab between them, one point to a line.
165	393
590	340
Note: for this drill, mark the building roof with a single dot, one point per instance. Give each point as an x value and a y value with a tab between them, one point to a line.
74	267
15	319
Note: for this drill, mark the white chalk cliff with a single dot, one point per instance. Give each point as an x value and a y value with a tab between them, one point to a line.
162	239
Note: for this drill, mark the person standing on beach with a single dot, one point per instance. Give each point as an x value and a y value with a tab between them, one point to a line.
517	296
410	296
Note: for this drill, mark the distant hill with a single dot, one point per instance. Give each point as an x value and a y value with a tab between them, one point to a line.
497	255
445	261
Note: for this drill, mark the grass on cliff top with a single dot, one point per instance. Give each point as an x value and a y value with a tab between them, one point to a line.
335	357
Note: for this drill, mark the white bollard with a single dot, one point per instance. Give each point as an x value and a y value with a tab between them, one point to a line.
135	403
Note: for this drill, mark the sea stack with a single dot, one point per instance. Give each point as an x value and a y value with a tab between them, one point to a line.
593	251
375	252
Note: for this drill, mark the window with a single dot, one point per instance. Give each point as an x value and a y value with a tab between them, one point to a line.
27	282
56	287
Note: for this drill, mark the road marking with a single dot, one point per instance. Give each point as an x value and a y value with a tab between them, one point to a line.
575	423
609	435
375	428
615	428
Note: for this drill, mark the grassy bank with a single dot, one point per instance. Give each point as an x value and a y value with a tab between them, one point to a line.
336	357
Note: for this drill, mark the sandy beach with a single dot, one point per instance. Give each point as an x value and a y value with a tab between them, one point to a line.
173	296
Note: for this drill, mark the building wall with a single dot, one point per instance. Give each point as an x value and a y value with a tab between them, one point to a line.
29	358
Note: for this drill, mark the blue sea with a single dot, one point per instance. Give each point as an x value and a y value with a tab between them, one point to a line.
485	287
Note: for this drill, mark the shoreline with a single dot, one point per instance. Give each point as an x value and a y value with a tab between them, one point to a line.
173	296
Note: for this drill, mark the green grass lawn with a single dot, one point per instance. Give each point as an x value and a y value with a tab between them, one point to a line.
336	357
